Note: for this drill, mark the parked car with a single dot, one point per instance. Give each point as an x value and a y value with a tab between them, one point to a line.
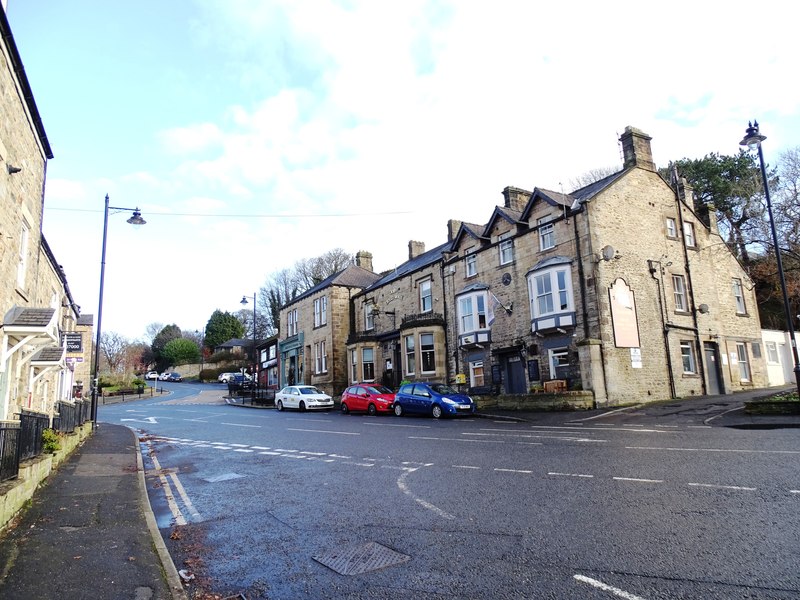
302	397
225	377
151	375
174	377
237	381
435	399
163	376
367	397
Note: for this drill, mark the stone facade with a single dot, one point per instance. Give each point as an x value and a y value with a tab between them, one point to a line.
36	371
618	290
315	327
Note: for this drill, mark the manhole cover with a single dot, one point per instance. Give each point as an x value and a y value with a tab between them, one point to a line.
361	559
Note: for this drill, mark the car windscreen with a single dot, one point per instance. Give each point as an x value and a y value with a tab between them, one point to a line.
379	389
309	390
441	388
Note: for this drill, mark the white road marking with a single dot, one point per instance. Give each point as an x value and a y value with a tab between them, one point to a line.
606	414
313	453
394	425
237	445
339	456
543	437
571	475
401	483
464	467
607	588
628	428
325	431
243	450
514	471
349	462
185	497
709	419
145	420
271	453
723	487
240	425
221	447
411	437
713	450
794	491
173	506
638	479
698	427
260	447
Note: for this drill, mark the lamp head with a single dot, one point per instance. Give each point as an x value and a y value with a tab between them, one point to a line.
752	138
136	220
244	300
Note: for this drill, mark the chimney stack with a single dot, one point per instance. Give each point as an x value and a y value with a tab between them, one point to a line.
453	225
636	150
516	198
415	249
364	260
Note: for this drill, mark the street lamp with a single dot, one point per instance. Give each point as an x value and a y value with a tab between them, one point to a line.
135	220
244	302
752	139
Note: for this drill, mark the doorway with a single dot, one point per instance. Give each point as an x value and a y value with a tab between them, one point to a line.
513	373
711	352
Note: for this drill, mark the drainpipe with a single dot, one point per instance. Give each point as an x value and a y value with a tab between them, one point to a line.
446	329
660	285
692	307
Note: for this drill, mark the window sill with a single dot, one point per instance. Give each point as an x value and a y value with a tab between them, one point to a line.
740	314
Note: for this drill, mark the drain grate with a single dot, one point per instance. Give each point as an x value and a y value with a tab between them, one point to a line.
361	559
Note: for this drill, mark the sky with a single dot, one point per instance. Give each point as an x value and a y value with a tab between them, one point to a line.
255	133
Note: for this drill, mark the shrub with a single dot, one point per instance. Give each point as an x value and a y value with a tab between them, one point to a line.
50	441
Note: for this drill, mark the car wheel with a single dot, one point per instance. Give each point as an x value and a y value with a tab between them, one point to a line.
436	411
279	405
398	409
302	406
344	408
371	410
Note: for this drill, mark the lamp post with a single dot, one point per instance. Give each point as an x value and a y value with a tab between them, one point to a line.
244	302
136	220
202	336
752	139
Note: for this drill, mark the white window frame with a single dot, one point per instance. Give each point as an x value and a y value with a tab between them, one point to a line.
744	361
291	323
365	362
426	293
354	366
320	358
470	262
427	351
410	354
471	315
688	234
679	293
773	358
556	284
672	228
557	357
688	358
547	230
477	376
22	264
369	316
738	296
506	247
321	311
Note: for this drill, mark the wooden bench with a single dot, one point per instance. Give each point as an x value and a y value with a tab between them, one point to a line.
555	386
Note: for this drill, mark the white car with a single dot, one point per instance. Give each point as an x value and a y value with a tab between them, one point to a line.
151	375
164	376
302	397
225	377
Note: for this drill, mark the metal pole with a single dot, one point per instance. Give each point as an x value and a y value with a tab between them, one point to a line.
786	306
98	332
255	360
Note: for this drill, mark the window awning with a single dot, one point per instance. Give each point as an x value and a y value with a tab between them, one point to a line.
49	358
29	329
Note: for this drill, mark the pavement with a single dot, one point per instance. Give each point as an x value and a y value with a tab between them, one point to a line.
89	532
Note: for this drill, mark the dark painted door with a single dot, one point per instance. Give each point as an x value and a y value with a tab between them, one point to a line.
514	374
712	368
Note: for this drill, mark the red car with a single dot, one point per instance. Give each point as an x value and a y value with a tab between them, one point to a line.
367	397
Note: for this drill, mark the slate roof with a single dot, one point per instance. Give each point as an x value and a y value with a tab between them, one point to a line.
86	320
591	190
418	262
49	355
351	276
21	317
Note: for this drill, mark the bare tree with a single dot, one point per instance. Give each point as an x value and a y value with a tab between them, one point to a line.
152	330
591	176
312	271
114	350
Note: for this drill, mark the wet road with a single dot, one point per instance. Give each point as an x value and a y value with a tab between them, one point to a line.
259	502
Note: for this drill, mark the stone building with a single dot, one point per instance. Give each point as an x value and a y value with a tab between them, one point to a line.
315	326
619	288
399	326
45	352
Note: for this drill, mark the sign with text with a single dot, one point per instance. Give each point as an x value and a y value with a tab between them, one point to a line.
74	342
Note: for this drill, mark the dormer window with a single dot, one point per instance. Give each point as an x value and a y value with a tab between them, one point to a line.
688	235
506	248
547	237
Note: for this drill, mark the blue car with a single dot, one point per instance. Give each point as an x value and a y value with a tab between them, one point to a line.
435	399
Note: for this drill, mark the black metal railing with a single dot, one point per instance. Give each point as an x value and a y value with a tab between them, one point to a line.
68	417
9	450
31	425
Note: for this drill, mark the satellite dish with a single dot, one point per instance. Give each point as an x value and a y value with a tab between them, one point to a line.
608	252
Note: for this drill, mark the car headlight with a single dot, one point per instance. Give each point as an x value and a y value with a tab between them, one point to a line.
449	401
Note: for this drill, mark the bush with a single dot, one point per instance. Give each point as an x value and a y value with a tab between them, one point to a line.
138	382
50	441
